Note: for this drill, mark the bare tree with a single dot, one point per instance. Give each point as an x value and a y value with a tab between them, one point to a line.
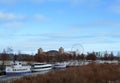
4	56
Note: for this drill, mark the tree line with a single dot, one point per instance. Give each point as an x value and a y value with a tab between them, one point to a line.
46	57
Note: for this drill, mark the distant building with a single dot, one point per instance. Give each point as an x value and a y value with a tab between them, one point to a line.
61	50
40	51
52	53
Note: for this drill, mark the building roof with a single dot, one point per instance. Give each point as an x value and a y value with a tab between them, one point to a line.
53	52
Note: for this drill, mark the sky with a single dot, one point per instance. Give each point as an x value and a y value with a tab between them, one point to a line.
26	25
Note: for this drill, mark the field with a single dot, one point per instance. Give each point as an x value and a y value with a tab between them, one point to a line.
92	73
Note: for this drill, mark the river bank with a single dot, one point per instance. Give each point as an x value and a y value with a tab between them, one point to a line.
8	79
71	65
91	73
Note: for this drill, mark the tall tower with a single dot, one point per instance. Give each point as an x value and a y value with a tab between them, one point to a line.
61	50
40	51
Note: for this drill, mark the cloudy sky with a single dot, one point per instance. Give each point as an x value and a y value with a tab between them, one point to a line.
26	25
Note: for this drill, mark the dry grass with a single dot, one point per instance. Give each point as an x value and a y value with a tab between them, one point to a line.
92	73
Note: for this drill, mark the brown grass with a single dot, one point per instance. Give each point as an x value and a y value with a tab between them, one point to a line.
92	73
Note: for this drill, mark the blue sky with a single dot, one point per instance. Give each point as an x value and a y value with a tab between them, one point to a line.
26	25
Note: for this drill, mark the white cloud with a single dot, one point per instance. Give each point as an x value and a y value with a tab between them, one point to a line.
10	16
84	2
100	23
38	1
60	12
41	1
41	18
9	1
106	23
13	25
75	2
7	16
114	7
